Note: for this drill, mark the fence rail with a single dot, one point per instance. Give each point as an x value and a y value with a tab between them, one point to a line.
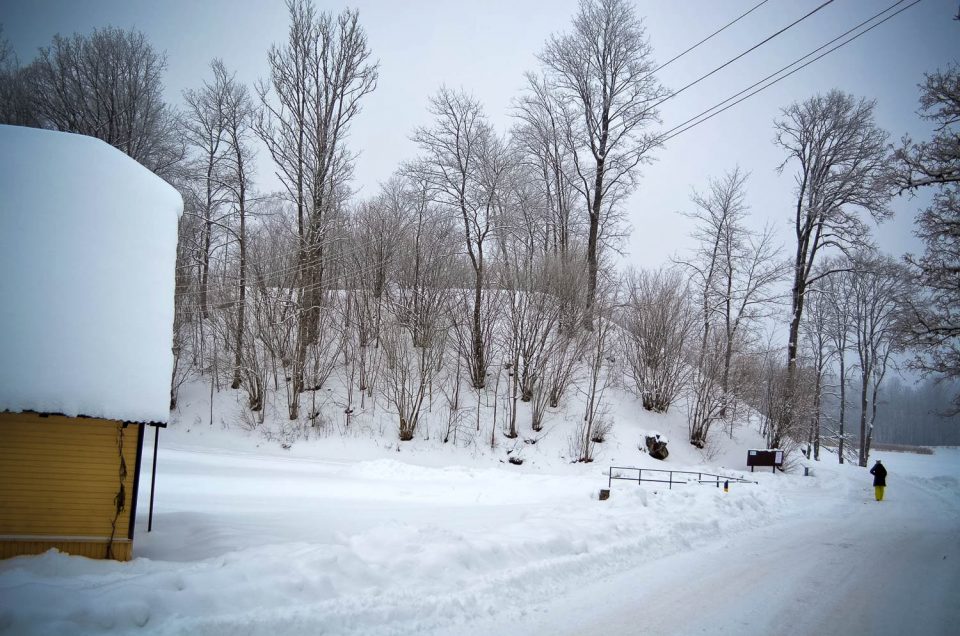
658	473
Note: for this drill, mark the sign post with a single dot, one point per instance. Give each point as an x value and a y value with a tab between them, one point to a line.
767	457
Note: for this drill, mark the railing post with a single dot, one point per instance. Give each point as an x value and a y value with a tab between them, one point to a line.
610	478
670	478
639	476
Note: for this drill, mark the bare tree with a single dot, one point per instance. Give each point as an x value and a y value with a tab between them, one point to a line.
603	71
108	85
842	167
205	135
464	164
816	333
733	270
835	294
408	372
879	290
657	323
541	138
237	122
426	243
318	79
568	342
273	271
599	358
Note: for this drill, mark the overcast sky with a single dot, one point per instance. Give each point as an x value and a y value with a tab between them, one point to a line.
485	47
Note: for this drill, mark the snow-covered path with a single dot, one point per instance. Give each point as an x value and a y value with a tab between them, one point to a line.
852	567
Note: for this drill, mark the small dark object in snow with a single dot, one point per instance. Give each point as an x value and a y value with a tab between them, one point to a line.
529	440
604	494
516	461
285	446
657	447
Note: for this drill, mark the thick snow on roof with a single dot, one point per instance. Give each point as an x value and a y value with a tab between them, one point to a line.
88	242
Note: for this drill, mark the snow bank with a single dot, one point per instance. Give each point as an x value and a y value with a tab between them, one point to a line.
87	251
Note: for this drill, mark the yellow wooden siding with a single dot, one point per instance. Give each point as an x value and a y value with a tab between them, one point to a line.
58	478
122	549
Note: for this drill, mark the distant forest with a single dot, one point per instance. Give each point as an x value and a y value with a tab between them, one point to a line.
908	413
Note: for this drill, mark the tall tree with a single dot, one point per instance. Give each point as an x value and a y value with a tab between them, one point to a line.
238	113
879	291
841	169
319	78
203	130
603	72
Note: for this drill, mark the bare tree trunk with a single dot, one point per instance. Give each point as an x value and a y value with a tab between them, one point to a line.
593	239
843	405
242	299
862	454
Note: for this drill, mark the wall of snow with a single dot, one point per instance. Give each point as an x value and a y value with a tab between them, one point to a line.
87	256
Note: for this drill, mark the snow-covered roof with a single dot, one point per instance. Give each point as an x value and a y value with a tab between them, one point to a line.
88	242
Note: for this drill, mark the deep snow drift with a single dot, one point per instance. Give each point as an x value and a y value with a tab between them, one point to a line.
348	535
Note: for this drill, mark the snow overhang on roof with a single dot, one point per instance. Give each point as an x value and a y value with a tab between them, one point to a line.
88	241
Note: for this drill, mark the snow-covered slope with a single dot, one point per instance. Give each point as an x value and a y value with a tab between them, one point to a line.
87	254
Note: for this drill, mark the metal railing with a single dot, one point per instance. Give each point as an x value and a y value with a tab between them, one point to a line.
702	478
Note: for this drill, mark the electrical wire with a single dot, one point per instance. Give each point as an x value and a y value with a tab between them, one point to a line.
709	37
752	48
682	128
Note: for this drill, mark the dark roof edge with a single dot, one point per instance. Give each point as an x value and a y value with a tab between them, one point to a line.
89	417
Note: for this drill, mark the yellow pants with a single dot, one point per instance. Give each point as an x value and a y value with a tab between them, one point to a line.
879	492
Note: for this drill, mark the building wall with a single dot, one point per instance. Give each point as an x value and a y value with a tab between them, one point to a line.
59	478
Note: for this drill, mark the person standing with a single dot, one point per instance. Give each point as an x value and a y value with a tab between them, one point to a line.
879	479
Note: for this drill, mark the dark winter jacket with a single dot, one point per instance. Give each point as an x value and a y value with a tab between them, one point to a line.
879	475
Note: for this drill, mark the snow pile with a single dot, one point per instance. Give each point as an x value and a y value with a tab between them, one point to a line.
87	254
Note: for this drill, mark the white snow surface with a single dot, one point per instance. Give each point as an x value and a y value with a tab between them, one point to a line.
353	534
87	255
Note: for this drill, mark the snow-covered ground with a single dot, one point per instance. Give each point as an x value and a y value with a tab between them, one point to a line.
348	535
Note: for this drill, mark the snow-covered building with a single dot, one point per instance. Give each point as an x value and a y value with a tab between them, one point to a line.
87	263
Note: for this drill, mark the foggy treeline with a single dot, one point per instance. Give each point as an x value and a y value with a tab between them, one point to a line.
481	276
913	414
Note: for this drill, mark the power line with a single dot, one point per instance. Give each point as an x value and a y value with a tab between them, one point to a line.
709	37
669	135
734	59
677	130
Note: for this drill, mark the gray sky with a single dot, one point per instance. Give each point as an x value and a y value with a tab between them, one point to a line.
485	47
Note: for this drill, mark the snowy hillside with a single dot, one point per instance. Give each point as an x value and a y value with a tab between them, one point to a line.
346	534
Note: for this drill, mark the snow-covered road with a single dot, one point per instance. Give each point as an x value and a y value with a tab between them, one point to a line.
852	567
